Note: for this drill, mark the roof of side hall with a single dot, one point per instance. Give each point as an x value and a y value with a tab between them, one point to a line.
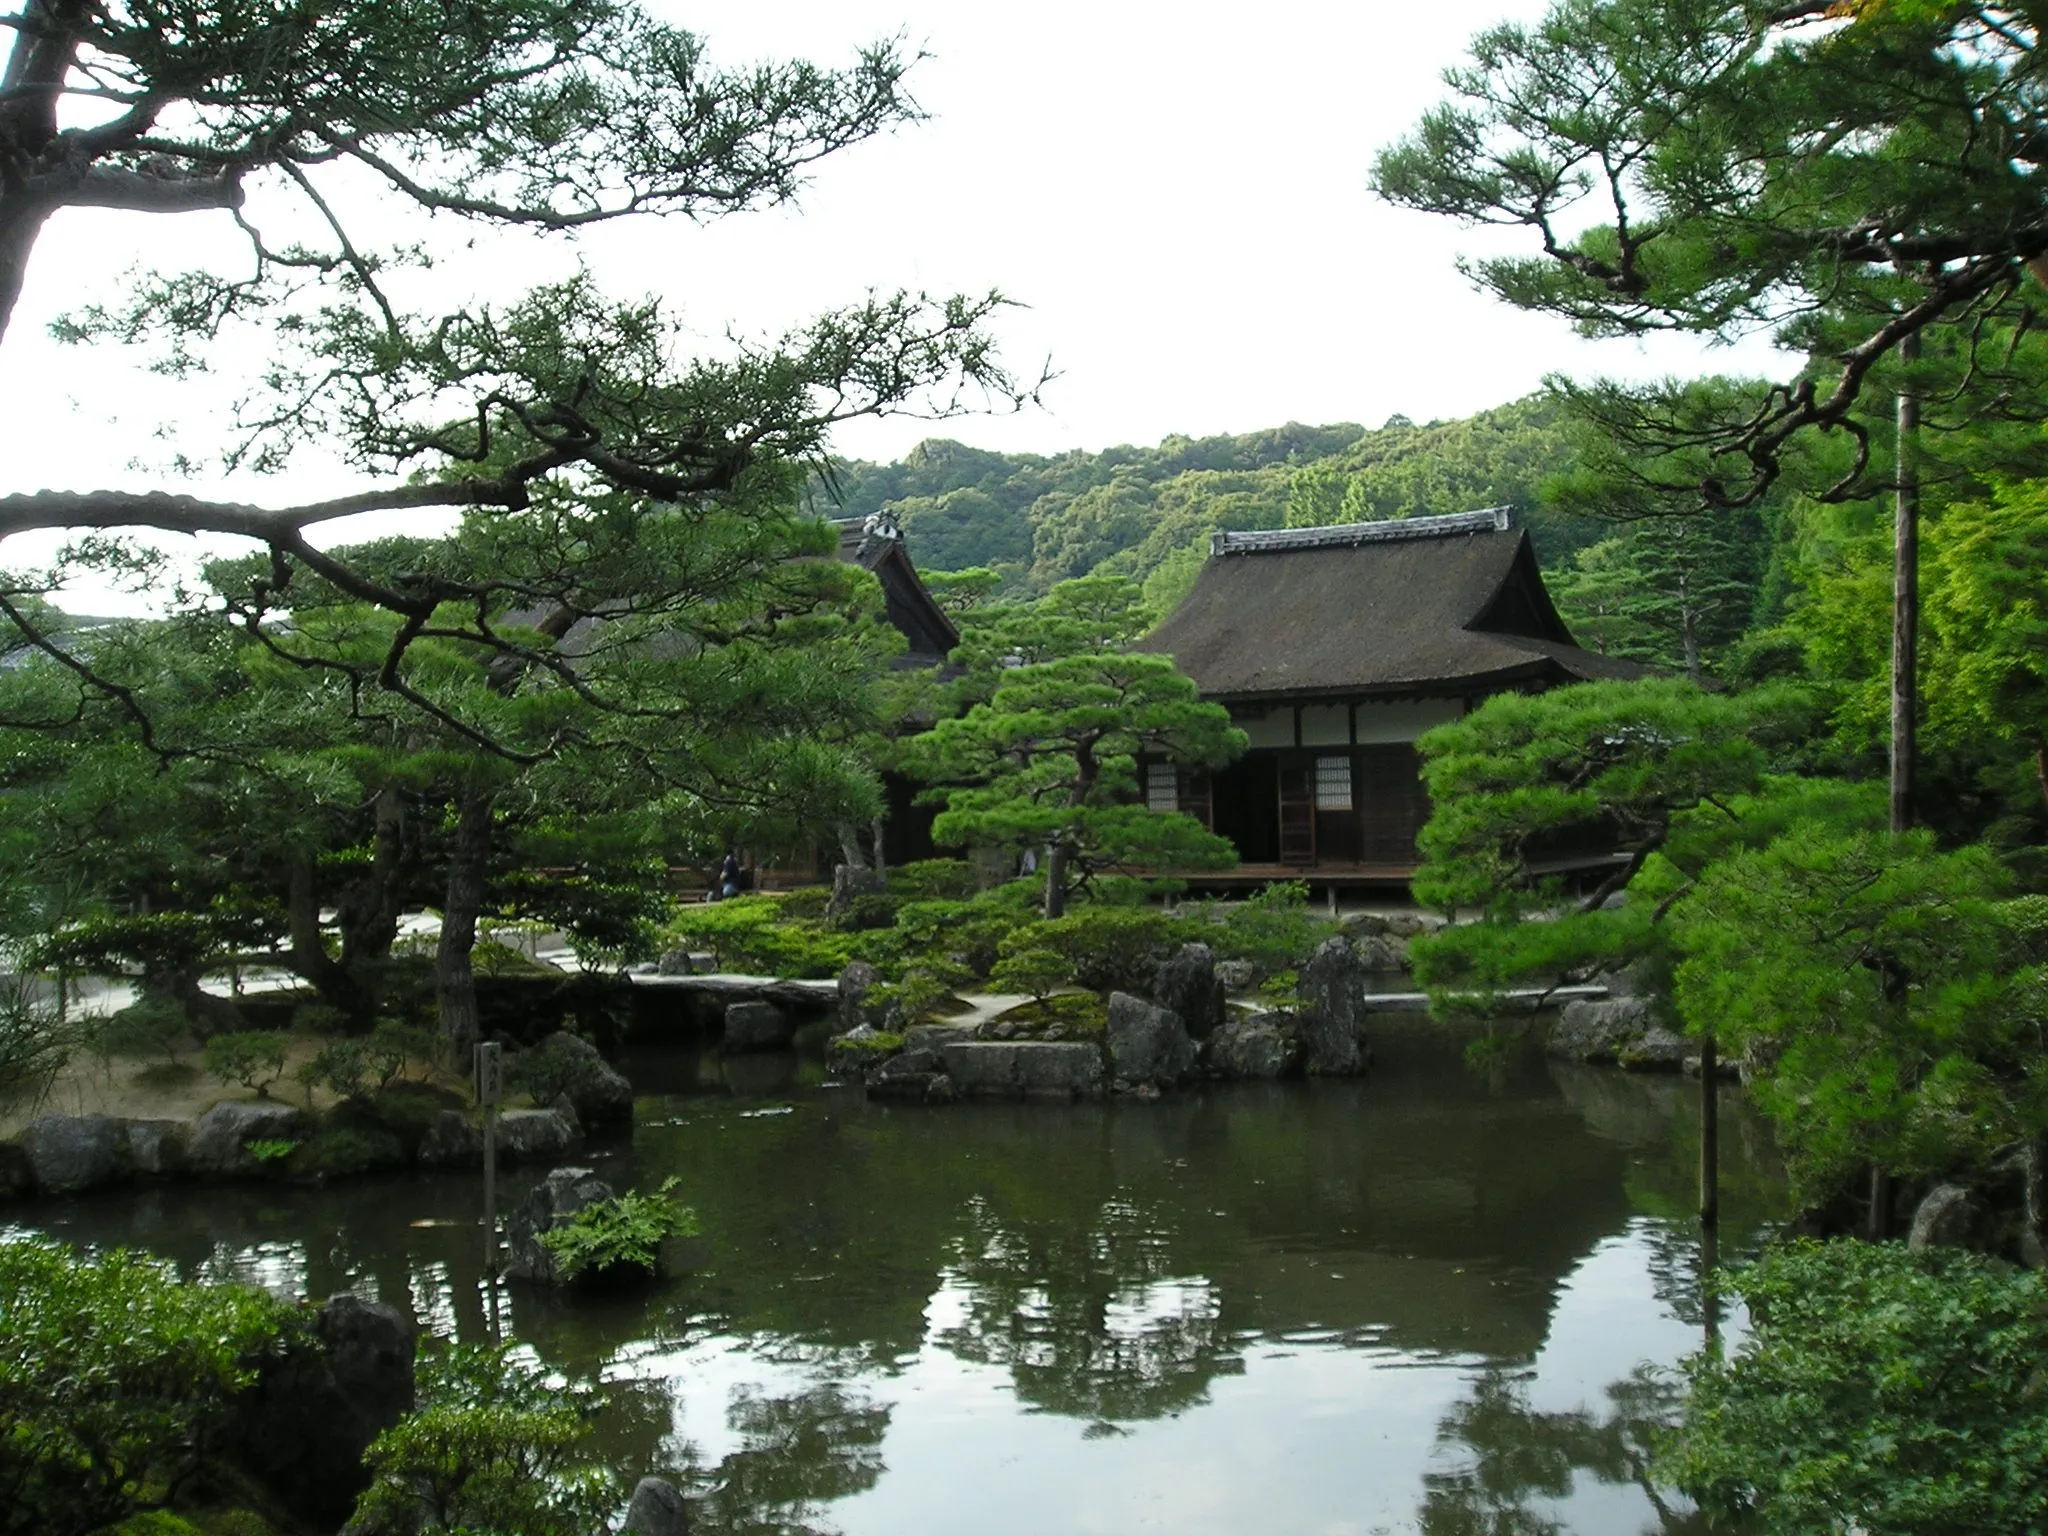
1429	604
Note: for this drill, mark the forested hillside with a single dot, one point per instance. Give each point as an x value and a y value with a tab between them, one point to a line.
1148	512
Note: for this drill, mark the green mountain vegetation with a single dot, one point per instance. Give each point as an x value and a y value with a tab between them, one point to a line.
1147	513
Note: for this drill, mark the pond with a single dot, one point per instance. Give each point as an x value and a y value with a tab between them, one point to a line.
1415	1302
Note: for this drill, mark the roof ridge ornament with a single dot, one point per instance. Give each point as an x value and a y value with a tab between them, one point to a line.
1350	535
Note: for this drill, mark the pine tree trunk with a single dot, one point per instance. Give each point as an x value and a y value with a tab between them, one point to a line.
1056	880
308	957
454	978
881	858
1905	600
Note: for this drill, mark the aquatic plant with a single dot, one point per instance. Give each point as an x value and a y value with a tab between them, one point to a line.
623	1233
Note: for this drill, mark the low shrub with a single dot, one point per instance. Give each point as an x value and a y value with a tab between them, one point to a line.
1877	1390
748	933
1272	928
1109	948
919	992
1037	972
933	880
147	1028
967	934
492	1446
270	1149
544	1072
806	902
115	1380
253	1058
621	1235
871	910
320	1018
361	1068
35	1044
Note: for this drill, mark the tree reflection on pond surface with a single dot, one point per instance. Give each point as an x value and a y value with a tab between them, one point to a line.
1415	1302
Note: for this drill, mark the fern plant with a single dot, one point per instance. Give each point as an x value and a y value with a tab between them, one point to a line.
620	1234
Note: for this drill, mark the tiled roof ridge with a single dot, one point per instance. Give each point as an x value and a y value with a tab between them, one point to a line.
1350	535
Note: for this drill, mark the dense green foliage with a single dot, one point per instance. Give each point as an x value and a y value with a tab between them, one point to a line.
1147	513
492	1446
115	1381
1878	1391
1045	758
611	1238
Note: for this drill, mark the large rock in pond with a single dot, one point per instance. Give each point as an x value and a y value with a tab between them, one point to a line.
1331	1019
1626	1031
303	1428
657	1510
1253	1048
452	1140
596	1090
548	1205
534	1135
757	1026
1023	1069
220	1141
855	983
157	1146
1185	983
71	1153
1148	1045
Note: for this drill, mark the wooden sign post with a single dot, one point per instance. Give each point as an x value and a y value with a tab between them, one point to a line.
490	1088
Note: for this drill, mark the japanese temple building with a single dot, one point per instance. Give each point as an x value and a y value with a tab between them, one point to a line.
1334	648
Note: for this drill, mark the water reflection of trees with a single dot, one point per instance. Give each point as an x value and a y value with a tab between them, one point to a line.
1515	1455
799	1452
1092	1322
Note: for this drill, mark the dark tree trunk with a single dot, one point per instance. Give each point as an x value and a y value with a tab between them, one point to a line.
308	958
1056	880
19	227
1905	600
368	911
454	978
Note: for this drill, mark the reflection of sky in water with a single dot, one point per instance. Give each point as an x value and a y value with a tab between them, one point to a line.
1320	1433
278	1267
1328	1309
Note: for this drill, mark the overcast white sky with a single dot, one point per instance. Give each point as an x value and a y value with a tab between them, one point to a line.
1178	194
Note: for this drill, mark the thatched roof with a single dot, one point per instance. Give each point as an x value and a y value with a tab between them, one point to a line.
1428	605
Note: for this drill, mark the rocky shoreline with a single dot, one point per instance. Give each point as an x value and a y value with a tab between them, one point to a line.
407	1125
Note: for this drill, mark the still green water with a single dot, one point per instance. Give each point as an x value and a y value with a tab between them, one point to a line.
1420	1302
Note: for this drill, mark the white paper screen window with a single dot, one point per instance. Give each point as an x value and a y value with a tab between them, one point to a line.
1162	787
1333	783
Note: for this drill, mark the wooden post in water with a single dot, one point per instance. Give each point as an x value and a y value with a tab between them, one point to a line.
1710	1132
490	1088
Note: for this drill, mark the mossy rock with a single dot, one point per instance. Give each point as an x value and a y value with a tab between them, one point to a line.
152	1522
233	1522
874	1043
1064	1016
342	1150
406	1110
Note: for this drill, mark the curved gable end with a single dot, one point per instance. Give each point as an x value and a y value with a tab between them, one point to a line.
876	544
